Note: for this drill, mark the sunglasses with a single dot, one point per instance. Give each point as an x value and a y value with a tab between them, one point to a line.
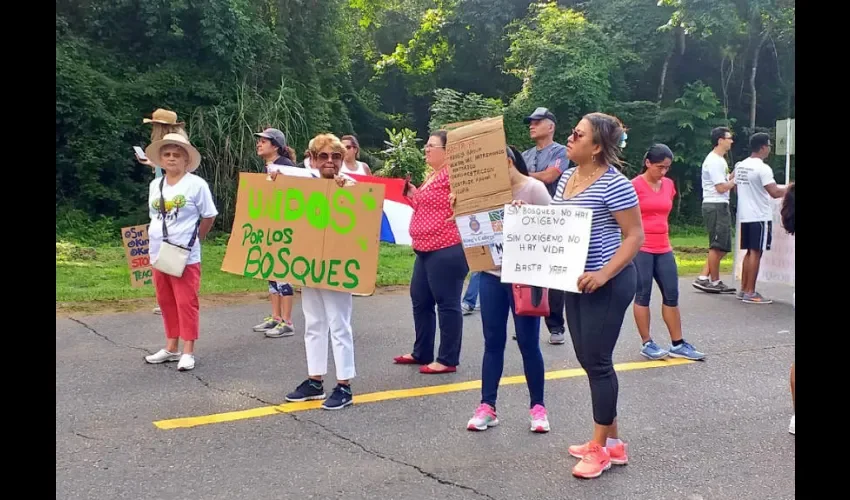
333	156
349	147
576	135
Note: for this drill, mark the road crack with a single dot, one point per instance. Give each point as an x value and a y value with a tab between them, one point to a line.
377	454
104	337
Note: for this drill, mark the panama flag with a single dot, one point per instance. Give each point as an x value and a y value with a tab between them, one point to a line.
395	226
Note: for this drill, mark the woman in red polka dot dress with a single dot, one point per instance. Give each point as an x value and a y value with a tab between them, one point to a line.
440	267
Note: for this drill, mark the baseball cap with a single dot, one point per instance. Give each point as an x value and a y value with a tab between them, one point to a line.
539	114
274	135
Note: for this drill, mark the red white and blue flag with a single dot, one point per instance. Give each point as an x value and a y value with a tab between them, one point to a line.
395	226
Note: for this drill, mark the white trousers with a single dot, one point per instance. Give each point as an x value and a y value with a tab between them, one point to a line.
324	311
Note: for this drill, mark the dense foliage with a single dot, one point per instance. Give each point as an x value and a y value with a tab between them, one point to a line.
391	70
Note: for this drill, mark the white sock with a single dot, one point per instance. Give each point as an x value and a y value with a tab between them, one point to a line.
610	443
703	278
715	282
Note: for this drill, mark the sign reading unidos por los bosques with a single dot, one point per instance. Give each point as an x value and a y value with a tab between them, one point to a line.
545	246
308	232
136	245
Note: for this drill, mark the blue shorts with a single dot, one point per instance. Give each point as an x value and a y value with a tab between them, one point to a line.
282	289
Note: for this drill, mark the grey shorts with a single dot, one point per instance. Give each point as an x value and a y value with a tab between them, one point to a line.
718	222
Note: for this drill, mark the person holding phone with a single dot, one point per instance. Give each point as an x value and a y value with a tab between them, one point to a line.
440	267
162	122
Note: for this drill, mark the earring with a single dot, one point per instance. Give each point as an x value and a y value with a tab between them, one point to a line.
593	158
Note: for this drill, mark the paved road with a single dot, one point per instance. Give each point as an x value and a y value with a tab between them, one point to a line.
711	430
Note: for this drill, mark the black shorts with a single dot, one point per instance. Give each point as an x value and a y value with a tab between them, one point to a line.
756	235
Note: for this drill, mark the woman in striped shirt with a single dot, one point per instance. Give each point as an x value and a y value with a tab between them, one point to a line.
608	285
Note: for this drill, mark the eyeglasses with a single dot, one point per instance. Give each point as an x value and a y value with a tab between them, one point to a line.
431	146
323	157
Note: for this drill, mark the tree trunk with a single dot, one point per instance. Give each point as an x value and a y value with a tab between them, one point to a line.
678	40
664	74
753	100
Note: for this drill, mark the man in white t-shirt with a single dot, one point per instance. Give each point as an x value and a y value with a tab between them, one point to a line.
756	188
716	185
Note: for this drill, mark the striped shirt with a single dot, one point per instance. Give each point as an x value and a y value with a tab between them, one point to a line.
610	193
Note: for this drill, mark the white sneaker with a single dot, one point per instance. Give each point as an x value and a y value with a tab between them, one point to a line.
791	426
162	356
157	310
187	362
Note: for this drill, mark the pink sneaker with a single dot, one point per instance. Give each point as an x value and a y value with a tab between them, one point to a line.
539	419
618	453
484	418
594	462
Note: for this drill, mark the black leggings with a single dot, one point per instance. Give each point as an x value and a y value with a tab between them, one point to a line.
594	320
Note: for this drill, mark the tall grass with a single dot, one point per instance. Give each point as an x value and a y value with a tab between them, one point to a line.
224	136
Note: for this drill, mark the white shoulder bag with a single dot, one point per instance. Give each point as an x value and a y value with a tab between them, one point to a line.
172	258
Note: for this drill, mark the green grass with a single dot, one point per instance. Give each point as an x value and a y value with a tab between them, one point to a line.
101	274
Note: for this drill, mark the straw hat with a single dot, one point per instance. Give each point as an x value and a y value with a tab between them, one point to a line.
164	117
152	151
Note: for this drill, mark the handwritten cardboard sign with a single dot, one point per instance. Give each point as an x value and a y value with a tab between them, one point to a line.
778	263
478	168
136	246
479	179
545	246
308	232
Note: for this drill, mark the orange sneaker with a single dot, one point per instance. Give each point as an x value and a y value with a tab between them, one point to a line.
594	462
619	453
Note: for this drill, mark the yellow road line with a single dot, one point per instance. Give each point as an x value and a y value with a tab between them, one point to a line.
374	397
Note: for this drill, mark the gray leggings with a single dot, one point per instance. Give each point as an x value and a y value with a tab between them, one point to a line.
594	320
662	268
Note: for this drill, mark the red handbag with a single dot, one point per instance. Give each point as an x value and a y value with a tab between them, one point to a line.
530	300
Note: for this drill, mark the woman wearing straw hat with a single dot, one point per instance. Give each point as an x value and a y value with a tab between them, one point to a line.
163	122
182	212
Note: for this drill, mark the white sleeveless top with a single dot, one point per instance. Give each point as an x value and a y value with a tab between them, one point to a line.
359	171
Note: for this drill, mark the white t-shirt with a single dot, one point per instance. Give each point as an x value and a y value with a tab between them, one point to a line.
715	171
751	176
287	170
185	202
360	170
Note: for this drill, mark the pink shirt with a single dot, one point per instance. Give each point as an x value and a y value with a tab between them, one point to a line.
654	210
432	225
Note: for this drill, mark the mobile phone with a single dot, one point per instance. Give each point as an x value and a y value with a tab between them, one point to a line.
140	153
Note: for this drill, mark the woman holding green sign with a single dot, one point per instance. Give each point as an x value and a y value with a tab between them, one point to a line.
327	310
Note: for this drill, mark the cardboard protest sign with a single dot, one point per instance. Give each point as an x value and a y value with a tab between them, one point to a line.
545	246
307	232
136	246
478	171
479	179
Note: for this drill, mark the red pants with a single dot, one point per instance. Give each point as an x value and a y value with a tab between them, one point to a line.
178	301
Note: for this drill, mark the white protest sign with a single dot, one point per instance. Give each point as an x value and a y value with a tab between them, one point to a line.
545	246
777	264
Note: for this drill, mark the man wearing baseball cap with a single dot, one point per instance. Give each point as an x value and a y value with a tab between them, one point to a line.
546	162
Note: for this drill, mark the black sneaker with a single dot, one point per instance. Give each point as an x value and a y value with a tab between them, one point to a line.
340	398
700	284
309	390
718	287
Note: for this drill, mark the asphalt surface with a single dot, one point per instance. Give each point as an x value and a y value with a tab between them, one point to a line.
710	430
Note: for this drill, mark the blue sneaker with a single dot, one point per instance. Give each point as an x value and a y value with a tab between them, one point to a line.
651	350
687	351
340	398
